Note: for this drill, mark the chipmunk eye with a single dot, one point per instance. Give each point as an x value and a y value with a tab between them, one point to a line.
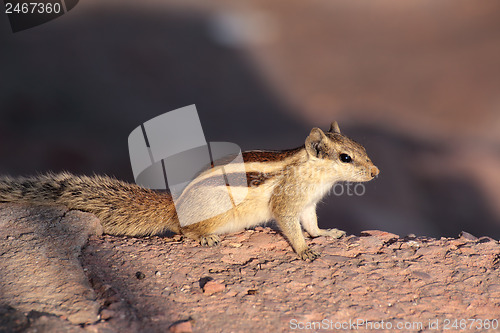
345	158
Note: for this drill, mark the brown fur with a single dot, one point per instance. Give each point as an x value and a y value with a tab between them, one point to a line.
282	185
269	155
124	209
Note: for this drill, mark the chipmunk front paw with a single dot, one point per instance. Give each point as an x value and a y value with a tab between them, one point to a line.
209	240
308	254
335	233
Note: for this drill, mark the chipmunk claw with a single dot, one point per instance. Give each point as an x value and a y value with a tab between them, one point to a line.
209	240
308	254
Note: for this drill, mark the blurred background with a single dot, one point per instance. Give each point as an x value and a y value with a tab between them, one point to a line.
416	82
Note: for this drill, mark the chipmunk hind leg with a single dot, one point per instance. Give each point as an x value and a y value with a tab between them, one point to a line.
202	232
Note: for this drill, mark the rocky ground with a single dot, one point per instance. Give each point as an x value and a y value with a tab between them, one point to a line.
54	280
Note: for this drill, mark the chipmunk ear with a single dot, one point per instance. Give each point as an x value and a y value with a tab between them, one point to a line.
334	128
313	141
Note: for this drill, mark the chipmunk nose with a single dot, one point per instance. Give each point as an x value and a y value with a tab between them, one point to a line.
374	171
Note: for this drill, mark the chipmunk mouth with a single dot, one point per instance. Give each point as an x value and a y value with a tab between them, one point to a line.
367	174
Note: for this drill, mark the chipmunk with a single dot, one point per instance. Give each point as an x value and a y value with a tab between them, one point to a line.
282	185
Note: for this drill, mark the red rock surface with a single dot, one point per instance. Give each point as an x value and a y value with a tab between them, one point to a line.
39	264
253	281
375	277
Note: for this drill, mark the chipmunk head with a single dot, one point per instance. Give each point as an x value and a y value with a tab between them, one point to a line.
345	157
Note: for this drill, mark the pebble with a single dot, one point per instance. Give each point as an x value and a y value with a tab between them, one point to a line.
107	314
467	236
212	287
182	327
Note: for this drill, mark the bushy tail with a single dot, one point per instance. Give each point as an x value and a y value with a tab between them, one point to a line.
123	208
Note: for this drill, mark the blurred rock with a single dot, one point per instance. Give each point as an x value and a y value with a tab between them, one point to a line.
383	235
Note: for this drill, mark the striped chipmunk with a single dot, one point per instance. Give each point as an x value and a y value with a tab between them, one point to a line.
281	185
